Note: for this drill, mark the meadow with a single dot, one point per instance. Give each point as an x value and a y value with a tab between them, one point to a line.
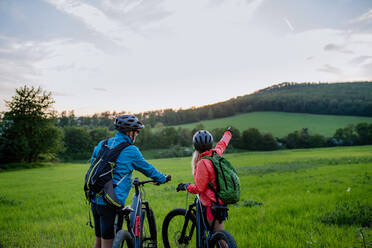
284	123
289	198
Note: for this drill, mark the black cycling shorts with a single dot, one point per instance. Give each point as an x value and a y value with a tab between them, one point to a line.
104	220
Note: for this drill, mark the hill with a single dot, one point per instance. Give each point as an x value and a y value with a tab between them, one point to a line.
281	124
349	98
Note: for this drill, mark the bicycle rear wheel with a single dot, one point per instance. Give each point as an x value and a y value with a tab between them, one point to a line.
222	239
123	239
172	227
148	229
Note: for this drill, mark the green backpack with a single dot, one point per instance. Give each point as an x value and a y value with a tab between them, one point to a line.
227	179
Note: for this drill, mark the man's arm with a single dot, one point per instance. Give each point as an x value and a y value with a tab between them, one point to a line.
140	164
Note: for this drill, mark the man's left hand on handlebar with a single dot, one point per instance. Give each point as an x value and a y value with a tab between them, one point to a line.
168	178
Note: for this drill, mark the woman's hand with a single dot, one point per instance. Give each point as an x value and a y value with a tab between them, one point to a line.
182	186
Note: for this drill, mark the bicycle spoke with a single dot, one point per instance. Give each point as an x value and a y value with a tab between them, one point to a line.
175	235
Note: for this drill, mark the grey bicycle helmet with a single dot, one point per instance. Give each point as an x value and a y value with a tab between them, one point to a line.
125	123
203	140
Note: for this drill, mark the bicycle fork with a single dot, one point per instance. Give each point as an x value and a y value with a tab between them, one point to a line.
185	238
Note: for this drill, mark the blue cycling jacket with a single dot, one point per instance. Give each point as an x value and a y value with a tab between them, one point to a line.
129	159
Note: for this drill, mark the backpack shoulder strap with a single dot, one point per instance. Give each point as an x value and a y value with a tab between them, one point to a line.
115	152
121	146
210	185
103	148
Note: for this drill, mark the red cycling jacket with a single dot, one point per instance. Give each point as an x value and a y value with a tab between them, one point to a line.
204	173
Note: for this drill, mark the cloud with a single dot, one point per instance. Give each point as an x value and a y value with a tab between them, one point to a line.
118	21
367	70
100	89
57	93
330	69
17	60
362	23
289	24
135	14
337	48
364	18
360	60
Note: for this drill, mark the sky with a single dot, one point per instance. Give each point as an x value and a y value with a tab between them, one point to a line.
141	55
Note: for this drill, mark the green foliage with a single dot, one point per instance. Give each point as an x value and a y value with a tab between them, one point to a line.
364	132
349	213
175	151
347	135
252	139
78	142
27	129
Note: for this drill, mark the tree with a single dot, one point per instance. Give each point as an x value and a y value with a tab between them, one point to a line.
28	129
252	139
364	133
268	142
78	142
347	135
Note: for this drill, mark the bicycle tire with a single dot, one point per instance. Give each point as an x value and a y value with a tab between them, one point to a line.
174	231
123	239
222	236
148	229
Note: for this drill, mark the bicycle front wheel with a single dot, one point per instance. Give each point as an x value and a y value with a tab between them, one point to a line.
123	239
148	229
177	229
222	239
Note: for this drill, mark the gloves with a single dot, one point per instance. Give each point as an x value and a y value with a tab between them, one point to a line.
168	178
229	129
182	186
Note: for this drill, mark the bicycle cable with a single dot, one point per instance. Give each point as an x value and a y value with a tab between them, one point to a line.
143	193
187	200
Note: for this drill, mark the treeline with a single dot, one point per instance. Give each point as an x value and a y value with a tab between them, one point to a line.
30	131
80	141
316	98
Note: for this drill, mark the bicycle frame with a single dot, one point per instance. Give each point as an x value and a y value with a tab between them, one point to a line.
133	219
203	232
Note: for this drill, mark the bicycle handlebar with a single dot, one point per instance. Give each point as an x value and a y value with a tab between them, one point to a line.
136	182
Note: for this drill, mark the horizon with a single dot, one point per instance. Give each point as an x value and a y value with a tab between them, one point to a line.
138	56
201	106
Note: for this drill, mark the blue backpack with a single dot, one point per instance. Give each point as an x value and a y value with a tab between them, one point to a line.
98	178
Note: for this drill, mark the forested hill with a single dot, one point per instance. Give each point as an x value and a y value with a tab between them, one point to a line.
349	98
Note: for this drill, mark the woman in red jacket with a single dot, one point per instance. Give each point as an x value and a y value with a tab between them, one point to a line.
203	172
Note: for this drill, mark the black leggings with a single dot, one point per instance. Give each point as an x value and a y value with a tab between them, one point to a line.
104	220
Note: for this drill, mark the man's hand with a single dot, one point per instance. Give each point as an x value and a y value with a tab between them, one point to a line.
229	129
182	186
168	178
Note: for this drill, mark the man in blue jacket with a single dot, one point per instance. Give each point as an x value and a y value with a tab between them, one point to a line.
130	159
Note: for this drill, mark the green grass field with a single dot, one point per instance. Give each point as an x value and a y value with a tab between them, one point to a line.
281	124
45	207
